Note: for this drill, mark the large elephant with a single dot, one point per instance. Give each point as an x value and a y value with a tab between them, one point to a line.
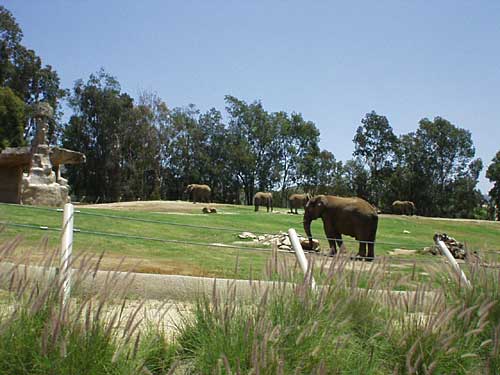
354	217
199	193
263	199
297	201
403	207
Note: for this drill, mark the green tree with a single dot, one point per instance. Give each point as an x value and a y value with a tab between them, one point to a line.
331	176
435	168
12	119
375	145
298	143
157	133
23	72
493	174
356	178
253	137
218	173
449	152
185	155
103	117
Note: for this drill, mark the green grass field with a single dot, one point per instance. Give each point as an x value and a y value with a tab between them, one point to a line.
202	260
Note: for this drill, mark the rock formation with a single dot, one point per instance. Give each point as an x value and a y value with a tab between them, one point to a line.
40	185
281	240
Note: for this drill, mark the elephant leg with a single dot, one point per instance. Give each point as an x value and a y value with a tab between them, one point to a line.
256	207
339	241
371	251
333	247
331	234
267	206
362	250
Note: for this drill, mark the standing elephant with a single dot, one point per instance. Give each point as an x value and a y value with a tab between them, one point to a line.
354	217
200	193
403	207
297	201
263	199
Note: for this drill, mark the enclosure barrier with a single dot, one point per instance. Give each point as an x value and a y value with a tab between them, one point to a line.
446	252
301	257
66	250
68	229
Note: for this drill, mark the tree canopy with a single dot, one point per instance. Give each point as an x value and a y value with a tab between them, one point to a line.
22	70
12	119
493	174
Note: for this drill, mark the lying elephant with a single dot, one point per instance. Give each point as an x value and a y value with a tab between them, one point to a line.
354	217
263	199
200	193
403	207
297	201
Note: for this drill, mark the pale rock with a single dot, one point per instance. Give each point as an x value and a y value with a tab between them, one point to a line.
245	235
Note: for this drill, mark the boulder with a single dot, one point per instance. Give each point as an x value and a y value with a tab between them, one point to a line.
457	249
306	245
209	210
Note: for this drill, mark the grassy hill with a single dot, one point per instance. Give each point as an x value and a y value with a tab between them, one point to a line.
139	231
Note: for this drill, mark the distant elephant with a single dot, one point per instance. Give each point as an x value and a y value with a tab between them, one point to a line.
354	217
297	201
263	199
403	207
200	193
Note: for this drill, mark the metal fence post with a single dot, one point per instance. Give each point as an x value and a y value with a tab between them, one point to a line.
446	252
301	257
66	249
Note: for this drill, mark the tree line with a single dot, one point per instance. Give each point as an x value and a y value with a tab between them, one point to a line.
142	149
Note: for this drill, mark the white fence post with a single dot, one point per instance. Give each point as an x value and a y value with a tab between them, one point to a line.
66	249
301	257
444	249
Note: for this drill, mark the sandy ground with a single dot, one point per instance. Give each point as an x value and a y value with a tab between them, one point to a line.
189	207
166	207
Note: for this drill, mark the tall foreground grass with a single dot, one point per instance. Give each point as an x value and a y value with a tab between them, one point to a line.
41	335
341	328
287	328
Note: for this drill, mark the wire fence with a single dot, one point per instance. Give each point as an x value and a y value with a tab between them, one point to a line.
411	245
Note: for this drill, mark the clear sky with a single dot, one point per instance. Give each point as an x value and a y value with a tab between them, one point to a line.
333	61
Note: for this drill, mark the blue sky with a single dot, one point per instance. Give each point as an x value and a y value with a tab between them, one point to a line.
332	61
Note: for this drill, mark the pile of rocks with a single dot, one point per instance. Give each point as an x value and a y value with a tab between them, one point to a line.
281	240
457	249
209	210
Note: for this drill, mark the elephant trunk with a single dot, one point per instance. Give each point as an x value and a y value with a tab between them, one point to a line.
307	229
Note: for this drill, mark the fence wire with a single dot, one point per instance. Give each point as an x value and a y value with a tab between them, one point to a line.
236	230
231	230
144	238
392	259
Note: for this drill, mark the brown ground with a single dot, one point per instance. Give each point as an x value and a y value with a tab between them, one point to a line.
156	206
165	206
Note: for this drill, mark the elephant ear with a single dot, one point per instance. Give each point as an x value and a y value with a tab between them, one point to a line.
321	200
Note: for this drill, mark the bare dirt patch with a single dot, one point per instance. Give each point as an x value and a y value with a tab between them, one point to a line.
156	206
